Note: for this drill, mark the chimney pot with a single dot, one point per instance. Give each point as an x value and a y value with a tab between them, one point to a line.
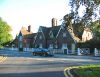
29	28
54	22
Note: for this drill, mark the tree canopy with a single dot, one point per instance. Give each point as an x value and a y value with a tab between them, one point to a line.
5	35
90	17
90	10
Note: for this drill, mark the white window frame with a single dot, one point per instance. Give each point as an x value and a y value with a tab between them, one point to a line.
64	34
40	45
64	46
20	38
51	35
40	37
51	46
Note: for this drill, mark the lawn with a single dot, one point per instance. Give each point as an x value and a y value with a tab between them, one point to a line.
86	71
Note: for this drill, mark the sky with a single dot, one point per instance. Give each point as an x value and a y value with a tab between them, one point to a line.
18	13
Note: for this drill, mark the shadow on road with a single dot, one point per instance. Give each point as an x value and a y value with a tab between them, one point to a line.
35	74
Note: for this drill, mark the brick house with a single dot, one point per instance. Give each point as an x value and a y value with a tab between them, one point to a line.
41	37
55	37
25	38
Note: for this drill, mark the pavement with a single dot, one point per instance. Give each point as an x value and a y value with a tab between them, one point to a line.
24	64
76	56
2	58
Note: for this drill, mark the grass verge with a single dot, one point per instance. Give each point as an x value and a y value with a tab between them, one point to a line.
86	71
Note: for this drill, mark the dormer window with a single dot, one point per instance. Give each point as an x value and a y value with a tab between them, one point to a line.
40	37
64	34
51	36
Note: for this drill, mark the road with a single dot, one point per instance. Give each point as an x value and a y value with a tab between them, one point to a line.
24	64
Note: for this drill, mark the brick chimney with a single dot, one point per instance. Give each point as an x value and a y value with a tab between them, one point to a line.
29	28
54	22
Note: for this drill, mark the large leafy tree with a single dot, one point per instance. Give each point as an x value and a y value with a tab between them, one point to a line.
5	35
95	26
90	13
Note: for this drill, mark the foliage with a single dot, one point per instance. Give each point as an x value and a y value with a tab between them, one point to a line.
89	14
88	71
90	6
90	44
95	26
5	35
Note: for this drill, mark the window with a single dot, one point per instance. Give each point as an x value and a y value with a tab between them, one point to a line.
64	34
20	38
51	46
40	45
56	46
20	45
40	37
51	35
64	46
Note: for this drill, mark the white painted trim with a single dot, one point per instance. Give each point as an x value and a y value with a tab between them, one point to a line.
51	34
58	32
37	34
42	31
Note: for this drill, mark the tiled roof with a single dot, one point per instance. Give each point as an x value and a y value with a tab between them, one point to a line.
55	30
31	36
46	30
24	31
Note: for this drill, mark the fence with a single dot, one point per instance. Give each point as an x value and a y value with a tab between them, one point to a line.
83	51
97	52
16	49
57	51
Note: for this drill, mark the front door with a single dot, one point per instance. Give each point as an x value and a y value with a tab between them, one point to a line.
65	51
64	47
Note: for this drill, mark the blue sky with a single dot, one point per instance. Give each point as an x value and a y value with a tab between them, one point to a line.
18	13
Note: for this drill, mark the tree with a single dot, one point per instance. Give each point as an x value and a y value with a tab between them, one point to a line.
95	26
90	11
5	35
91	7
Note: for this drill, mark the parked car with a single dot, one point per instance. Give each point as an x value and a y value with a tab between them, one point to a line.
41	52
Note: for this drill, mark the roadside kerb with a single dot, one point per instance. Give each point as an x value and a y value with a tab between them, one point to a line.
67	72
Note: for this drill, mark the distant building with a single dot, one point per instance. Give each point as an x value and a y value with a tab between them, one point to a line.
87	34
25	38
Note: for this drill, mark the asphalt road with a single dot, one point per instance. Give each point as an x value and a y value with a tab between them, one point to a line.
18	64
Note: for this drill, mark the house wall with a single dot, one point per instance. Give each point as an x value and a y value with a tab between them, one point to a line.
39	41
64	40
87	35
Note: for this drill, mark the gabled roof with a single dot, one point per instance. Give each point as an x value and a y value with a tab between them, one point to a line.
55	30
24	31
68	33
31	36
47	30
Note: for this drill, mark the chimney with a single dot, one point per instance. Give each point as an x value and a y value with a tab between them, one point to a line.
54	22
29	28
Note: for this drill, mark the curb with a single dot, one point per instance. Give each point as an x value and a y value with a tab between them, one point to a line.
67	72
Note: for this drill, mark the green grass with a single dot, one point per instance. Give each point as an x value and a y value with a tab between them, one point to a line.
88	71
